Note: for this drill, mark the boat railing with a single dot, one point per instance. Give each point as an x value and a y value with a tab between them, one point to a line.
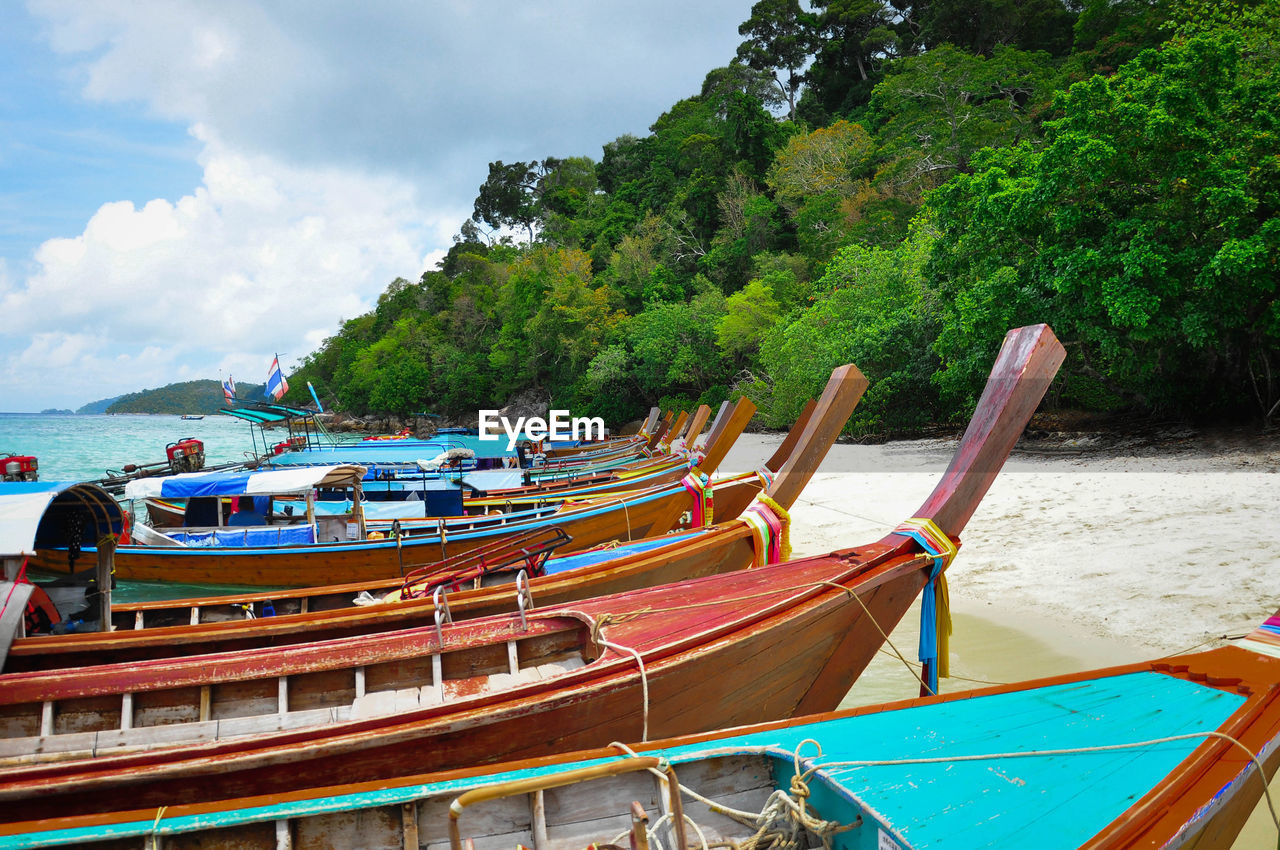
538	784
530	549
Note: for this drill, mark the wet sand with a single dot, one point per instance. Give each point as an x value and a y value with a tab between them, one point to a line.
1080	557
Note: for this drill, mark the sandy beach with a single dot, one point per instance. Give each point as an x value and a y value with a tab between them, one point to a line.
1086	552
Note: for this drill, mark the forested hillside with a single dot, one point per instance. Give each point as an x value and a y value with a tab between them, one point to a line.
194	397
886	182
99	406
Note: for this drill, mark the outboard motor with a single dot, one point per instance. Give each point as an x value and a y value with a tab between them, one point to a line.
19	468
185	455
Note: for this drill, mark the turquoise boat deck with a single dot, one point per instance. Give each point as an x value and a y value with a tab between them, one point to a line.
996	801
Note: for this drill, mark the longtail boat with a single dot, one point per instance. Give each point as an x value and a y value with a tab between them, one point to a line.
1173	752
706	653
494	491
243	621
54	513
626	516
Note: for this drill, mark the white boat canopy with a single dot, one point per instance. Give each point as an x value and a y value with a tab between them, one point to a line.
273	482
47	512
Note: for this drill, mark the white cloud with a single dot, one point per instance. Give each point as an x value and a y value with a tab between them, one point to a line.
262	257
432	90
342	146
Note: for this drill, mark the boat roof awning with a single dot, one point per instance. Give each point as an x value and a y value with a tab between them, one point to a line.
49	513
268	414
267	483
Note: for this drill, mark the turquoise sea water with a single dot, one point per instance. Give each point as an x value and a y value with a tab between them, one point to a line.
83	448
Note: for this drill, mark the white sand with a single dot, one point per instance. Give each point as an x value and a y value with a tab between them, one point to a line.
1160	553
1072	561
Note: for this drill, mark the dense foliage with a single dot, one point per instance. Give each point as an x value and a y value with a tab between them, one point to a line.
886	182
189	397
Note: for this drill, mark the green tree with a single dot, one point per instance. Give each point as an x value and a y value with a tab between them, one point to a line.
874	308
721	83
749	314
666	349
780	38
1146	231
939	108
506	197
857	37
553	319
980	26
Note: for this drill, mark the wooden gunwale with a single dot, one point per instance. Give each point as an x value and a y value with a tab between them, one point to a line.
616	442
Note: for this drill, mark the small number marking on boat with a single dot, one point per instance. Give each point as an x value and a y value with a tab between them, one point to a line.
887	843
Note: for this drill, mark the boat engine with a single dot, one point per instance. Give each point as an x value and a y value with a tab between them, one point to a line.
295	443
185	455
19	468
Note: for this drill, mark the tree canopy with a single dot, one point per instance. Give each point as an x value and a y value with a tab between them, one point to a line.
887	182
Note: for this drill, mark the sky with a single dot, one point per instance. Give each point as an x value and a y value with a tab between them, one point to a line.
189	187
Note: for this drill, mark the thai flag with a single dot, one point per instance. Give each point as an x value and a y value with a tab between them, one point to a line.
229	389
277	386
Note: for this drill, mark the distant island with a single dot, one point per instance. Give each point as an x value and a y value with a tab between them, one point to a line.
53	411
99	406
188	397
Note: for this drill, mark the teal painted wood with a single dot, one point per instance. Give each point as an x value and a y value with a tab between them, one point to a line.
1060	800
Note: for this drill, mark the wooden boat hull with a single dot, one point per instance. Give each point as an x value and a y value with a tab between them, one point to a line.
717	651
1138	797
632	517
722	548
752	645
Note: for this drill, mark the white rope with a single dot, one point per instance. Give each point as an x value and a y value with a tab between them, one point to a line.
863	517
644	678
626	510
746	818
889	641
760	821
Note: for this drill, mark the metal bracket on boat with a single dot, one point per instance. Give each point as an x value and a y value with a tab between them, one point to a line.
524	597
440	601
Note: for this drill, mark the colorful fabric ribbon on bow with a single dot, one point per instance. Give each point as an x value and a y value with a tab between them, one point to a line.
699	487
770	526
935	603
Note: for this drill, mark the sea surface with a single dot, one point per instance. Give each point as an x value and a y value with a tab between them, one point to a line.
85	448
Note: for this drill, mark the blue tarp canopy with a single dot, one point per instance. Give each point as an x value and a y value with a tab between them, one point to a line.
269	483
49	513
